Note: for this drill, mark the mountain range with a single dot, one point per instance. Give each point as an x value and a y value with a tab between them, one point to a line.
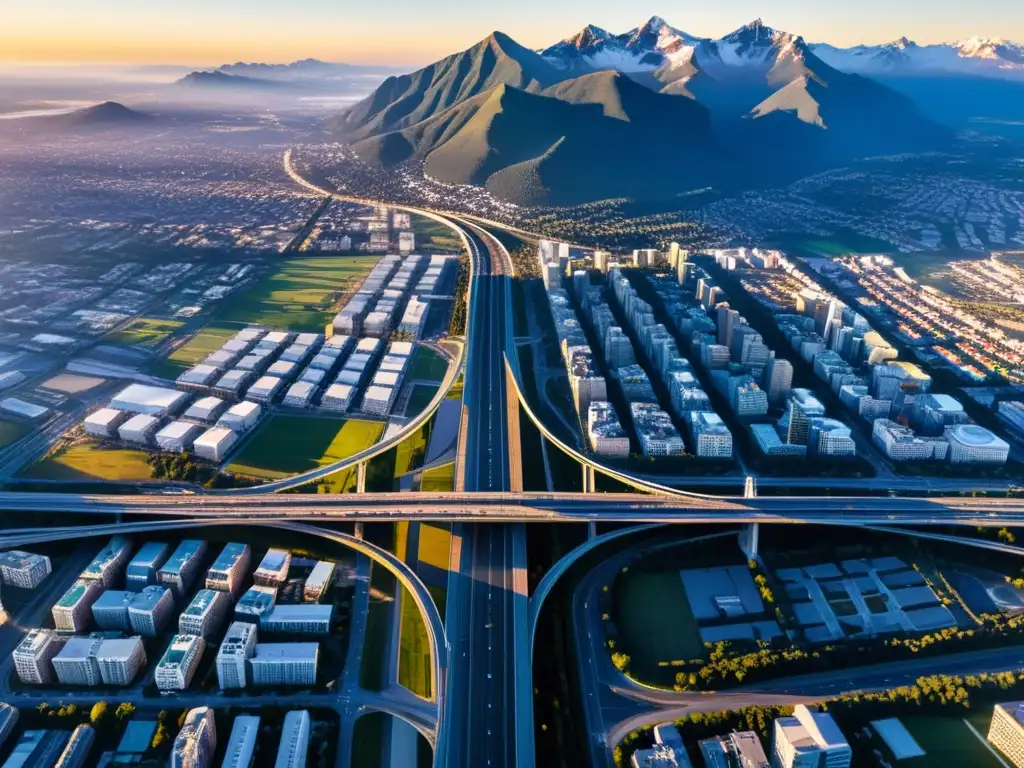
648	114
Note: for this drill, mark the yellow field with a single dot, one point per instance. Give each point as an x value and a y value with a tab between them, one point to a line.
88	461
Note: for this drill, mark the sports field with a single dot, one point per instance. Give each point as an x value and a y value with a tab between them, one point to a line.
655	624
144	332
87	461
302	295
208	340
288	445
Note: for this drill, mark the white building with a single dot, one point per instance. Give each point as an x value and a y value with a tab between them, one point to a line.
605	432
711	438
378	400
76	663
415	317
971	444
143	398
198	377
242	742
273	568
658	436
196	743
23	409
284	663
23	569
139	429
265	389
299	394
256	601
241	417
338	397
120	660
72	611
310	619
291	751
228	571
177	437
181	567
205	409
215	443
178	665
235	651
205	613
318	581
104	422
809	739
33	657
107	565
901	444
150	610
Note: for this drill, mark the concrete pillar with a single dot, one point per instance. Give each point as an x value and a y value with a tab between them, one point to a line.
749	536
361	477
750	488
589	479
357	530
591	530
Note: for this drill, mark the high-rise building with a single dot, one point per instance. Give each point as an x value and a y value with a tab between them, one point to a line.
809	739
33	657
76	752
142	569
727	321
709	435
72	611
150	610
802	407
76	662
181	567
605	432
1006	731
830	437
107	565
235	651
291	751
273	569
896	381
779	380
176	667
618	349
746	397
931	414
23	569
552	275
196	743
241	745
284	663
228	571
110	611
119	661
901	444
601	259
205	613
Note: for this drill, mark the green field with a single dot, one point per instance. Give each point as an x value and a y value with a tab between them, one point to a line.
10	432
288	445
946	741
303	295
435	235
87	461
420	398
654	622
208	340
145	332
439	480
426	365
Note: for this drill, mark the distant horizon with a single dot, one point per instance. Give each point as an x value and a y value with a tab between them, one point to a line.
122	33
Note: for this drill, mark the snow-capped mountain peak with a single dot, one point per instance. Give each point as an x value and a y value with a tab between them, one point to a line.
902	44
588	38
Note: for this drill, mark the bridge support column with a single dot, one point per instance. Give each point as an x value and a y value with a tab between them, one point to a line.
357	529
588	479
361	477
591	530
749	535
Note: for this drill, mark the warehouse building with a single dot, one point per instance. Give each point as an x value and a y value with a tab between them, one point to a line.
415	317
256	601
150	610
378	400
76	663
181	568
294	744
299	395
205	613
33	657
368	346
104	422
110	611
273	568
139	429
235	651
256	362
23	569
388	379
228	571
307	619
294	356
284	663
318	581
338	397
265	389
337	345
109	562
154	401
241	417
325	361
205	409
222	359
314	376
214	443
241	746
37	748
393	364
176	668
23	409
283	369
177	437
232	383
198	377
274	340
142	568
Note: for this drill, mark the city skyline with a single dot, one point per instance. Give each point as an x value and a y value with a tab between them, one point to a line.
195	34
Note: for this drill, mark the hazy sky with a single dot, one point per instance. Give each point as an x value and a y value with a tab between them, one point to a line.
208	32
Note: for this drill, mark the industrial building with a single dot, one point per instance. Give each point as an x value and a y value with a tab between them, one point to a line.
104	423
299	394
33	657
318	581
73	611
178	665
181	567
150	610
306	619
142	568
198	377
232	383
110	611
241	417
109	562
283	369
265	389
241	745
23	569
177	437
273	568
196	742
338	397
415	317
314	376
284	663
139	429
76	663
228	571
294	744
205	614
146	399
377	401
205	409
214	443
235	651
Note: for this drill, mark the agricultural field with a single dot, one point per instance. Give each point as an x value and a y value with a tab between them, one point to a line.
86	460
433	236
303	295
146	332
288	445
208	340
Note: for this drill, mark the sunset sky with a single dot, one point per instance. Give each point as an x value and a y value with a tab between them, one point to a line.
407	32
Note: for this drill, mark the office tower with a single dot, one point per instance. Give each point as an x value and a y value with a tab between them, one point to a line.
807	739
120	660
802	407
284	663
291	751
149	610
601	259
237	648
72	611
33	657
727	320
552	275
181	567
76	662
779	377
107	564
228	571
618	349
196	743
